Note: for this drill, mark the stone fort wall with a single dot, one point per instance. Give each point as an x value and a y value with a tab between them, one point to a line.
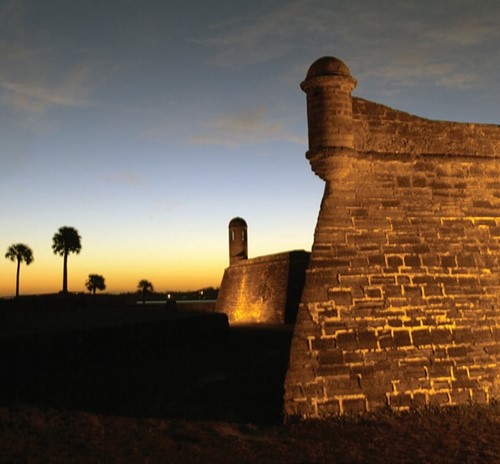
266	289
401	302
378	128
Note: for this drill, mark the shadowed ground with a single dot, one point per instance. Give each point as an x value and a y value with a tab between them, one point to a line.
144	362
137	384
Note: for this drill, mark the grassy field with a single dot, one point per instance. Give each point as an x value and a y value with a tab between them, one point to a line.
120	384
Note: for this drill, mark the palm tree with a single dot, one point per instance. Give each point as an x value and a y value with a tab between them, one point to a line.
145	286
95	282
21	253
65	241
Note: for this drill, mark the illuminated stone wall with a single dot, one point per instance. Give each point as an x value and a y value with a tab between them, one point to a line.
401	303
263	290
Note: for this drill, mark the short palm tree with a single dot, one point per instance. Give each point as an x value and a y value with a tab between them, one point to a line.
65	241
95	282
22	254
145	286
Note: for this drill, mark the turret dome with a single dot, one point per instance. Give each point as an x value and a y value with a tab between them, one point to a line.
237	222
328	66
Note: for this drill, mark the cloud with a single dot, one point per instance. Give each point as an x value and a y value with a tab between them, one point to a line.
262	36
445	44
247	127
159	130
125	178
403	44
32	90
36	78
478	28
32	96
417	69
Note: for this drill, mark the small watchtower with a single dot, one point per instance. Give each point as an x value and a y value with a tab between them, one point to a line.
328	86
238	240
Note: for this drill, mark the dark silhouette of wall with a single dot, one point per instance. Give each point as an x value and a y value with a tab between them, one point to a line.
401	302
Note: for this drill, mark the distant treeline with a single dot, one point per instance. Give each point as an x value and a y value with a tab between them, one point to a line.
60	301
208	293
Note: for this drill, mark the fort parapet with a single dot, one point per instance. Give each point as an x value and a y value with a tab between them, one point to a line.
401	301
266	289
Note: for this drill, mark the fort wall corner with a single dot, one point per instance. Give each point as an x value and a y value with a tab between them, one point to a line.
402	295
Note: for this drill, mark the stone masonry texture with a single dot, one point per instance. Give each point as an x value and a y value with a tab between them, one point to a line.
400	307
266	289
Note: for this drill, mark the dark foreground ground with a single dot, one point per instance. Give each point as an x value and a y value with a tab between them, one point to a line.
32	435
115	385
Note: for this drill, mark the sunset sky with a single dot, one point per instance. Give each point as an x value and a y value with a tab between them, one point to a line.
148	124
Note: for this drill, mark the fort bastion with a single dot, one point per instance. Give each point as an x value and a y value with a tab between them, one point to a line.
400	306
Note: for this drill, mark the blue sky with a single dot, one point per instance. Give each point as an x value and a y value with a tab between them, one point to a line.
147	125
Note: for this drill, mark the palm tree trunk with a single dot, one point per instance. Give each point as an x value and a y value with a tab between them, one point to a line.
65	273
17	277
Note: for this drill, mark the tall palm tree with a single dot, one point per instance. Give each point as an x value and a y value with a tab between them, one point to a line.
22	254
144	287
95	282
65	241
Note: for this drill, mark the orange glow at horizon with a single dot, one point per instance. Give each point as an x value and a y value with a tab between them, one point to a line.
115	283
121	277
